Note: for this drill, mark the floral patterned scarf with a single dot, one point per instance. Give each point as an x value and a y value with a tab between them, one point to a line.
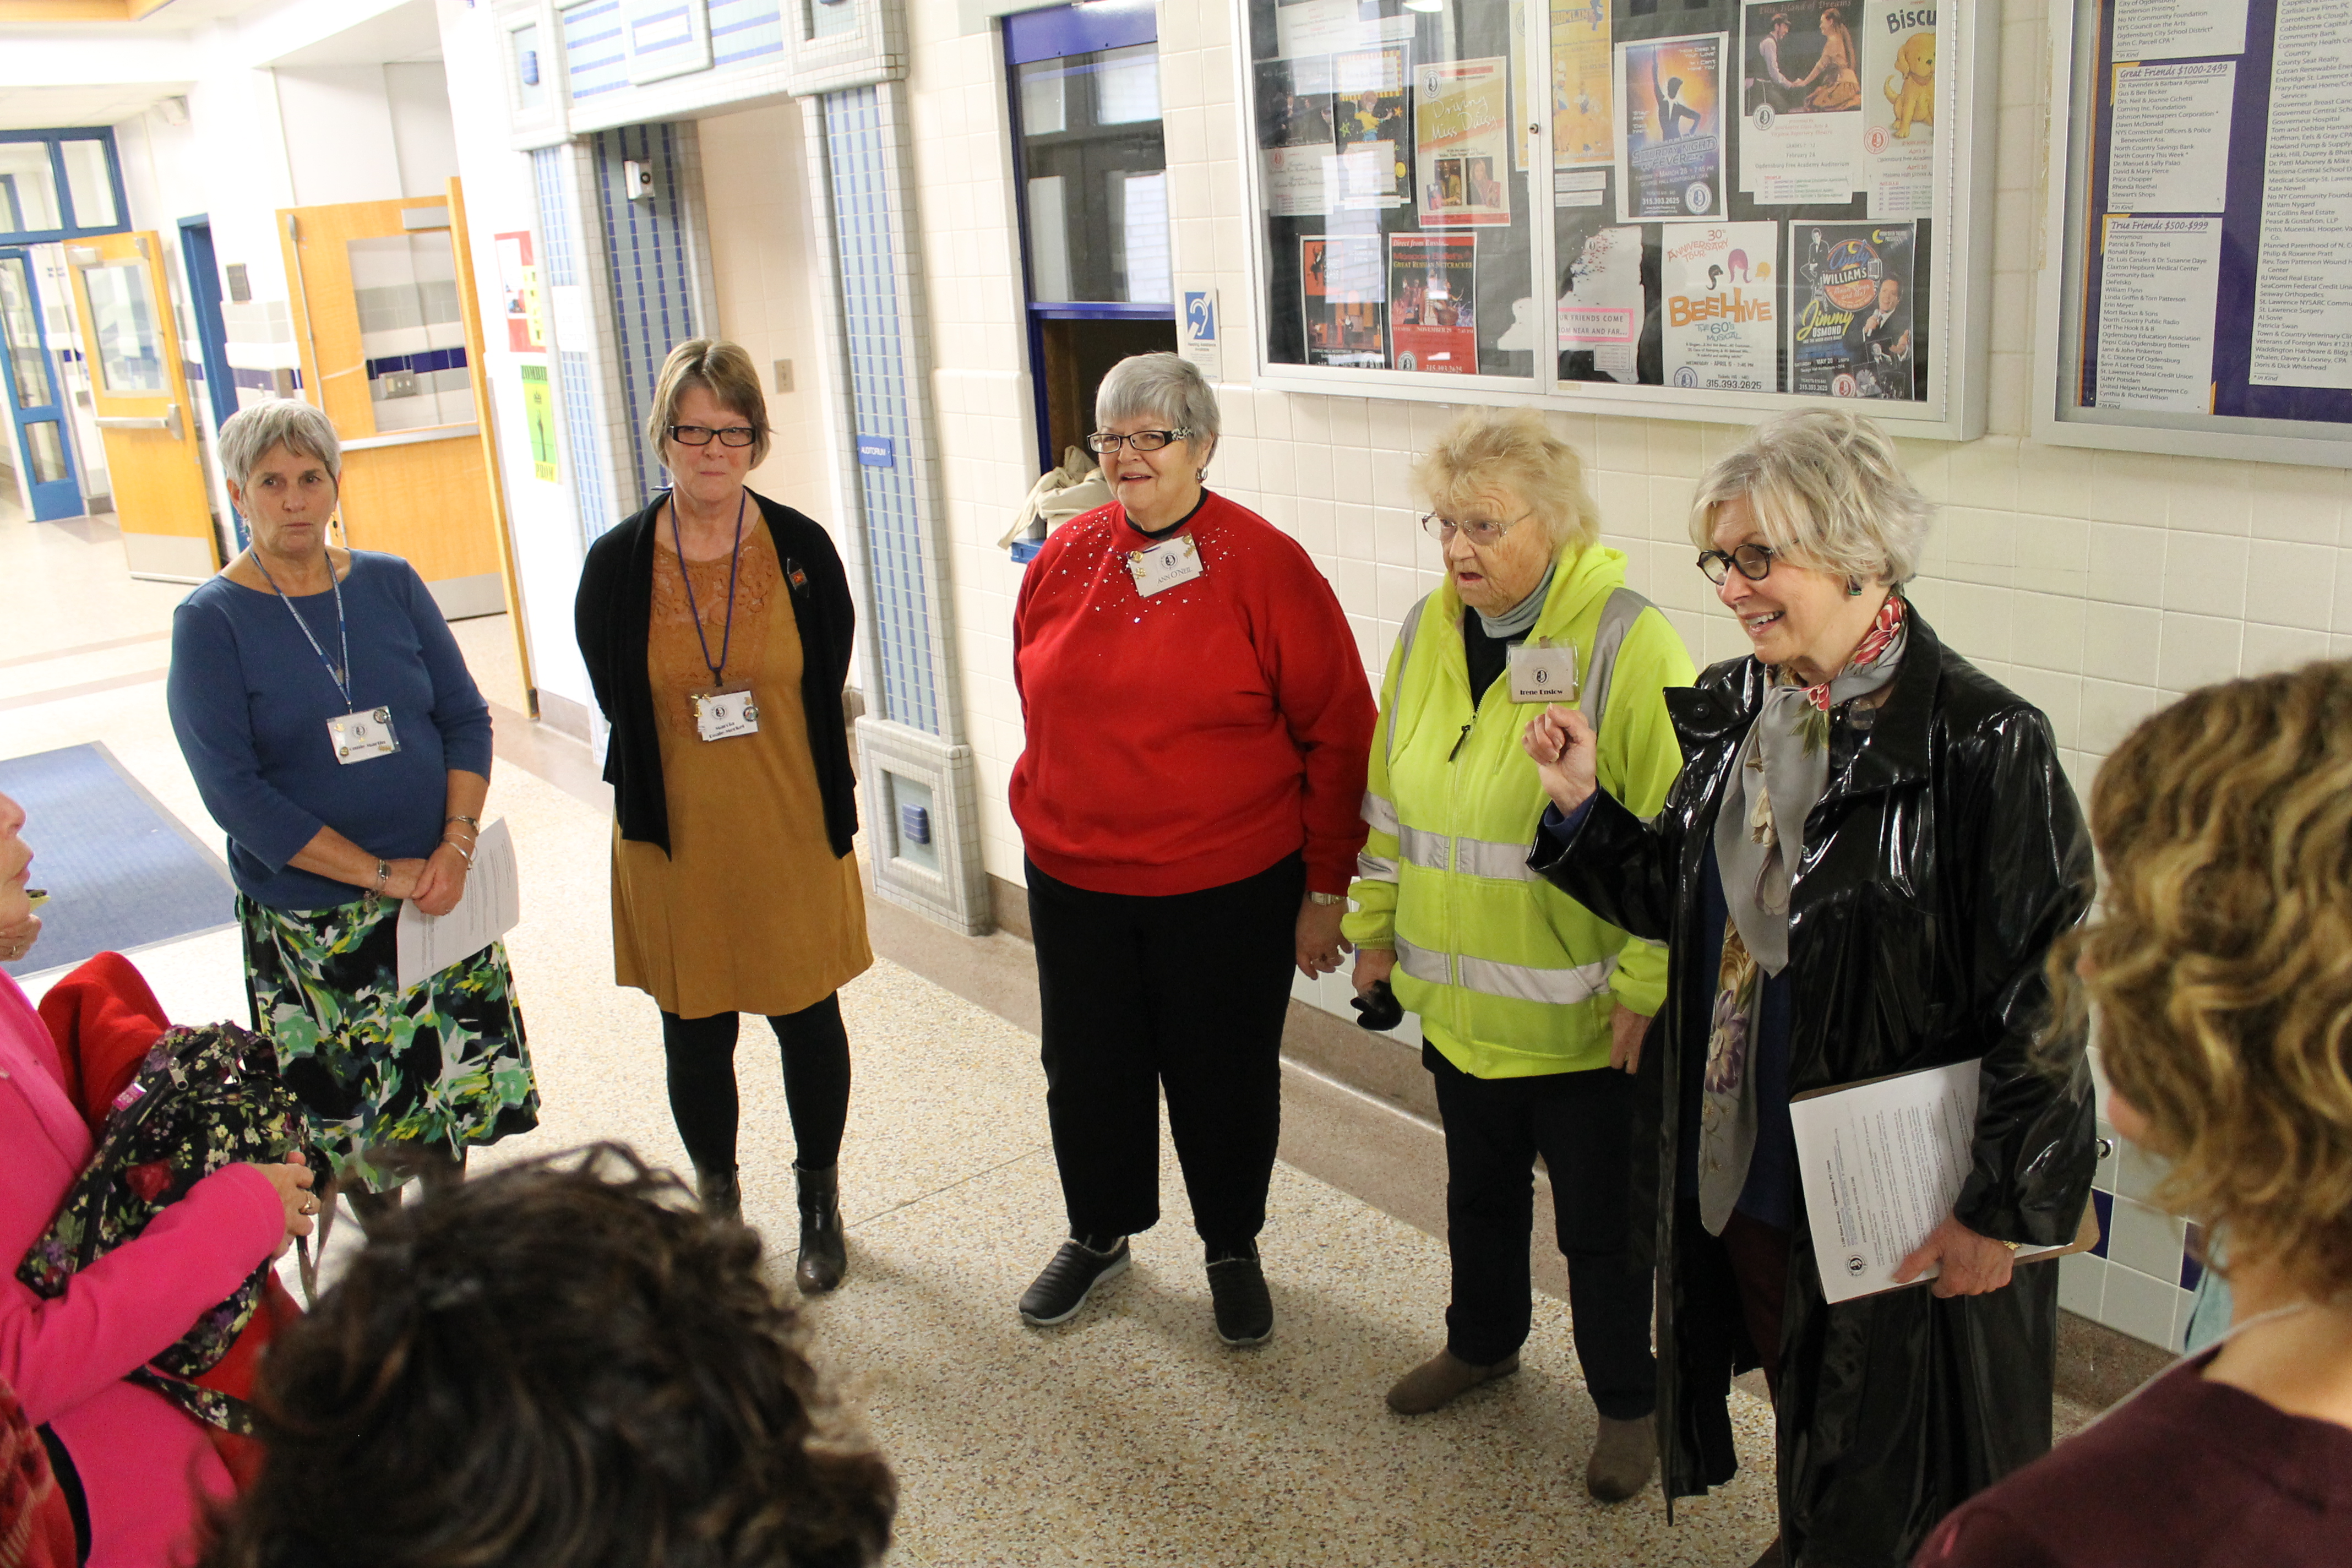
1782	770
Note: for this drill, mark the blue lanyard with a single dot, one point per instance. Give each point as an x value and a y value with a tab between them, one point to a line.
341	678
727	638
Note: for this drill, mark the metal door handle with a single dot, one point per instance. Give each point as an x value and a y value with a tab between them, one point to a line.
167	420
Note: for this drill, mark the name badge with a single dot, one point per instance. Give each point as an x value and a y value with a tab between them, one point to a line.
360	737
723	715
1543	674
1165	565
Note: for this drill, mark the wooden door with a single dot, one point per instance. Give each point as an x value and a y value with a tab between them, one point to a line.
379	312
154	461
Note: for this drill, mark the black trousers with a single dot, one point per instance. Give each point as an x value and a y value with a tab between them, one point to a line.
1184	993
702	1100
1583	1125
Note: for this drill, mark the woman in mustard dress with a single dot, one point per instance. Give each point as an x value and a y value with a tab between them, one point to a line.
716	625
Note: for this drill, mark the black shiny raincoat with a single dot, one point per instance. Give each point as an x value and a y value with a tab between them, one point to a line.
1945	854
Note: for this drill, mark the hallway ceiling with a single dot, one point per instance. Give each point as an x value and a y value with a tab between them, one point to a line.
105	103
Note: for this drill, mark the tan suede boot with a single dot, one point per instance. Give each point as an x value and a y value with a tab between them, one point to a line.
1441	1379
1623	1458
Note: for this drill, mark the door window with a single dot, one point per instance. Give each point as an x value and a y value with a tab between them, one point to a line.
1096	178
412	334
129	348
20	332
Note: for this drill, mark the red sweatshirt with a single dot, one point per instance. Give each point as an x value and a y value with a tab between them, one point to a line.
1195	737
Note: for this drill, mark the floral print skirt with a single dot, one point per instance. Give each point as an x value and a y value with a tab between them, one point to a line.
442	1064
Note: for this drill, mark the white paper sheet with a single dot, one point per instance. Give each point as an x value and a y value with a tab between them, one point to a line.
2179	29
1882	1164
491	907
2170	149
2303	291
2161	279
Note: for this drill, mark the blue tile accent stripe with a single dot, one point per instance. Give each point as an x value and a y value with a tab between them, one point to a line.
588	488
563	251
649	263
592	47
872	318
745	29
422	365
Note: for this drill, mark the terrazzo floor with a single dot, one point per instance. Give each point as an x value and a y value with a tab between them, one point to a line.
1130	1435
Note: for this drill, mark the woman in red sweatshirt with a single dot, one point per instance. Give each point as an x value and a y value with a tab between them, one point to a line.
1190	800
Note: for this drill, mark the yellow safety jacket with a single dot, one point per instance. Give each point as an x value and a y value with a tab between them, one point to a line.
1512	978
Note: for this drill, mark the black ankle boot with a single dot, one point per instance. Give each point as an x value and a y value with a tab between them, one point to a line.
717	1192
823	1258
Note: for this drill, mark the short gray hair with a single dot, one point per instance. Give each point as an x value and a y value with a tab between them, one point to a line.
1513	450
1828	490
1159	386
286	422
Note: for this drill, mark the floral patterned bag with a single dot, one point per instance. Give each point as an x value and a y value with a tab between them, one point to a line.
205	1097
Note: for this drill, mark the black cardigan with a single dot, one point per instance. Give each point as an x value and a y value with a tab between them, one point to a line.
612	617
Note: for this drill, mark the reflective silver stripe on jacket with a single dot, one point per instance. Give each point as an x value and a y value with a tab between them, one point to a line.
1471	856
1421	847
1379	816
1371	868
1519	982
1560	987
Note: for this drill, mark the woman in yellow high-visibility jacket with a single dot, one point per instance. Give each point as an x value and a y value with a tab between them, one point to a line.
1532	1008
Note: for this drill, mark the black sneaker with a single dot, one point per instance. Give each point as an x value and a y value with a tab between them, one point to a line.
1238	1287
1063	1285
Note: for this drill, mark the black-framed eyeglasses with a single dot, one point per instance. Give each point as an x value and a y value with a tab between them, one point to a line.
1482	531
700	435
1142	441
1754	562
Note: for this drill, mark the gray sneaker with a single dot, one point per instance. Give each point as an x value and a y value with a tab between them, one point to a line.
1063	1285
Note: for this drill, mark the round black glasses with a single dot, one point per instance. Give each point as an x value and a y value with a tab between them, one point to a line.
700	435
1754	562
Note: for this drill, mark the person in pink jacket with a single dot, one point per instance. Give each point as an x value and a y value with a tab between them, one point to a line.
141	1468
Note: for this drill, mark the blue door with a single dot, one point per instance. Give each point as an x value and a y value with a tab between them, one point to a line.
31	384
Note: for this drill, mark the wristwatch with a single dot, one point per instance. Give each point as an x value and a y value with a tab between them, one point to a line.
1327	898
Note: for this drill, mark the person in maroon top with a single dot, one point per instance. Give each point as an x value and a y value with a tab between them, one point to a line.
1190	802
2222	972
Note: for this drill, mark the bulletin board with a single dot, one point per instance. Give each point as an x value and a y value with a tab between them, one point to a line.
1720	209
2200	301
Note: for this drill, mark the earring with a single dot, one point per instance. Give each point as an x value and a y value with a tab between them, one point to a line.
1199	475
1853	587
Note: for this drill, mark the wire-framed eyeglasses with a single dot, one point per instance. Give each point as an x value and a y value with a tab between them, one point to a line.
1482	531
700	435
1754	562
1142	441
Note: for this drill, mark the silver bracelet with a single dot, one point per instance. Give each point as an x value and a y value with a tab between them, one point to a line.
464	853
382	875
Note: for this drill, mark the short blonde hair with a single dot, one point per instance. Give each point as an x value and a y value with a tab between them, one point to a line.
1514	449
723	370
2221	960
1828	490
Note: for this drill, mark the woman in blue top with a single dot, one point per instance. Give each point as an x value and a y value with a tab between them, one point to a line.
338	740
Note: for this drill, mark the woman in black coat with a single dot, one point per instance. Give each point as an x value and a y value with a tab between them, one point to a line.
1865	860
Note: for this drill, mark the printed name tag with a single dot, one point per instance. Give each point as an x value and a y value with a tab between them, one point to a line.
1543	674
723	715
1165	565
359	737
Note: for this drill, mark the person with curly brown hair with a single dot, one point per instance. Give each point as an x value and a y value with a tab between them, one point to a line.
2220	972
564	1364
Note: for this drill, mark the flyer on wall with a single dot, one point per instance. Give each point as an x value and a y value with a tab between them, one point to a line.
1326	26
1601	306
2302	328
2168	136
1583	118
1670	164
1801	101
1898	103
1433	324
1344	283
1295	134
2162	280
1718	285
1368	110
1850	327
1461	143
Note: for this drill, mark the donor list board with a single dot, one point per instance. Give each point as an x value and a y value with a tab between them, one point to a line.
1738	199
2208	219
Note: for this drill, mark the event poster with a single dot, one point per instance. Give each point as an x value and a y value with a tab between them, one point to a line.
1801	101
1850	329
1898	104
1600	301
1368	110
1343	279
519	300
1432	320
1296	134
1719	283
538	421
1461	141
1670	166
1583	116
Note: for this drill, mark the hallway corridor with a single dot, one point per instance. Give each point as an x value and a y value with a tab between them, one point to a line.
1130	1437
